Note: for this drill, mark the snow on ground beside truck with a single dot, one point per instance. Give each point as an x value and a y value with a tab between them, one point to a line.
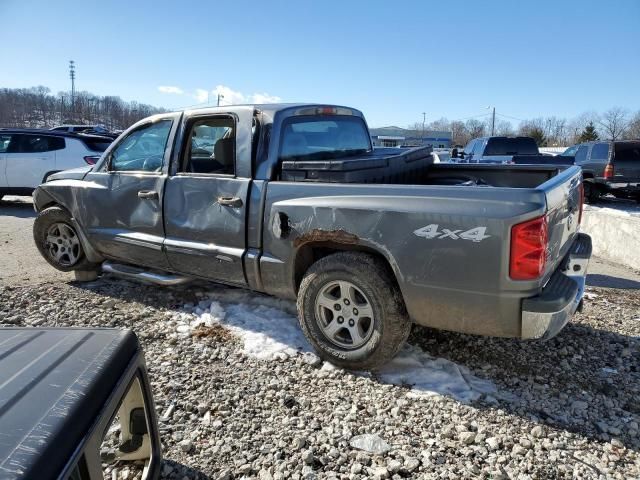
615	231
269	330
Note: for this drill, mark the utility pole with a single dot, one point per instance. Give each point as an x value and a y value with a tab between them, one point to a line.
493	122
424	119
72	76
219	97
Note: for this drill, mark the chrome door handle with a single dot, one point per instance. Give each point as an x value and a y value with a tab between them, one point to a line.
235	202
147	194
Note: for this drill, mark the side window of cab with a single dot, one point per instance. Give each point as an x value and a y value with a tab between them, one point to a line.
142	150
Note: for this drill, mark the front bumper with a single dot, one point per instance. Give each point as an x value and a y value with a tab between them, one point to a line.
544	315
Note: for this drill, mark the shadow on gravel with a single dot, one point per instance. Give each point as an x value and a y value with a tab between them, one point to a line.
174	470
585	380
607	281
16	209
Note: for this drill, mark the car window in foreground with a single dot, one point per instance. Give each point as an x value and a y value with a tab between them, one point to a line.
143	149
324	138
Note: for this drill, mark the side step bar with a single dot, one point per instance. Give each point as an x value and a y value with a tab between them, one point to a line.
128	271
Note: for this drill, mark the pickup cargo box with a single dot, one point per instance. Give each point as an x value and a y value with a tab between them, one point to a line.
381	165
60	390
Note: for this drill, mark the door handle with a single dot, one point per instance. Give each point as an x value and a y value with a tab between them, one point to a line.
147	194
235	202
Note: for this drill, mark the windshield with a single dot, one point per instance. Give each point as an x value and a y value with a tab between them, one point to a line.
324	138
511	146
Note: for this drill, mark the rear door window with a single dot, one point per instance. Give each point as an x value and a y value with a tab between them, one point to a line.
4	143
600	152
627	152
40	144
581	153
97	145
511	146
210	147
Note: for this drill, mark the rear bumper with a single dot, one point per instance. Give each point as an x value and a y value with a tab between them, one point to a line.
626	188
544	315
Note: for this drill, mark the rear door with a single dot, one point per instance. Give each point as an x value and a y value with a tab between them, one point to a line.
122	212
598	158
206	196
626	162
30	157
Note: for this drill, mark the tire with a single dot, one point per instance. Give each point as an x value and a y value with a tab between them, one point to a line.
353	280
65	254
591	192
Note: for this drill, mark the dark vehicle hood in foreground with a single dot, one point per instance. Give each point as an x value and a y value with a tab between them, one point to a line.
71	174
54	382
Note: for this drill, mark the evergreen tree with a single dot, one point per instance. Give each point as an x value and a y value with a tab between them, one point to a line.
588	134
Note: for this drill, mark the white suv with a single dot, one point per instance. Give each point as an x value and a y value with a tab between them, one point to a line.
28	157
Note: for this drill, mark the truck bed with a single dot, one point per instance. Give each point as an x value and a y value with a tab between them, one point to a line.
415	167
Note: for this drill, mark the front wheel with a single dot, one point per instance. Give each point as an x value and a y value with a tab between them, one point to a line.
351	311
58	241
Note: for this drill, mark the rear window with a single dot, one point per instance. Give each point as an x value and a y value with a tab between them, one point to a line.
511	146
97	145
627	152
324	138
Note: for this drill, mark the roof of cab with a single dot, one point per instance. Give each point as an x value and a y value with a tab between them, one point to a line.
273	108
53	384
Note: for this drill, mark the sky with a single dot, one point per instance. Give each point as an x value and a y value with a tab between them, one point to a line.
393	60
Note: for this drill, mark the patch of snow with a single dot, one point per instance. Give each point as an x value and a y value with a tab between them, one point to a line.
431	376
269	330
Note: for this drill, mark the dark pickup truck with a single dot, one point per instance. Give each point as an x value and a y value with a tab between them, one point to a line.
73	403
292	200
608	167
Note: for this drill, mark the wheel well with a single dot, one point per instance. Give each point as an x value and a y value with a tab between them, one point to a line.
44	179
308	254
587	175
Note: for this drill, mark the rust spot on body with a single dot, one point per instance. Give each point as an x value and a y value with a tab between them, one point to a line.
333	236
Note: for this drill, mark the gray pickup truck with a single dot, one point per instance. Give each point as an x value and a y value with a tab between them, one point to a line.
292	200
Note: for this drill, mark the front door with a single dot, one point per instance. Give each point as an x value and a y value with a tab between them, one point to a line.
206	197
122	212
29	158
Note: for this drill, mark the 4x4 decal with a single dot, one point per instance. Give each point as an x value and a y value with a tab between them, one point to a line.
476	234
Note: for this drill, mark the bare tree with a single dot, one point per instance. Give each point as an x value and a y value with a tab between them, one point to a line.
633	130
614	122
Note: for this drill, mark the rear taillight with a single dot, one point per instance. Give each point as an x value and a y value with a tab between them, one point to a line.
528	249
608	171
91	159
581	202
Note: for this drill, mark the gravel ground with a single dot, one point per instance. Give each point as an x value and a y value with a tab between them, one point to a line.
568	408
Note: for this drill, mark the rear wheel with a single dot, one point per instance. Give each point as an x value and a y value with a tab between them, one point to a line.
58	241
591	192
351	311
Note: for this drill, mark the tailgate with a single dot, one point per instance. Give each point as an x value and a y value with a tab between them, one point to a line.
626	162
563	197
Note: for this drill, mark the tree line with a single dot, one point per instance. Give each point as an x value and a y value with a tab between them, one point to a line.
37	107
615	124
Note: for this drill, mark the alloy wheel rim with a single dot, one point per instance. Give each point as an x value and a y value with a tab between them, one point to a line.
344	314
62	244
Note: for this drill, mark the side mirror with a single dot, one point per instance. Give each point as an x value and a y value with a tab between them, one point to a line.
454	153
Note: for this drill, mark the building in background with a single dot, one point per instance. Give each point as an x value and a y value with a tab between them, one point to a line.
403	137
